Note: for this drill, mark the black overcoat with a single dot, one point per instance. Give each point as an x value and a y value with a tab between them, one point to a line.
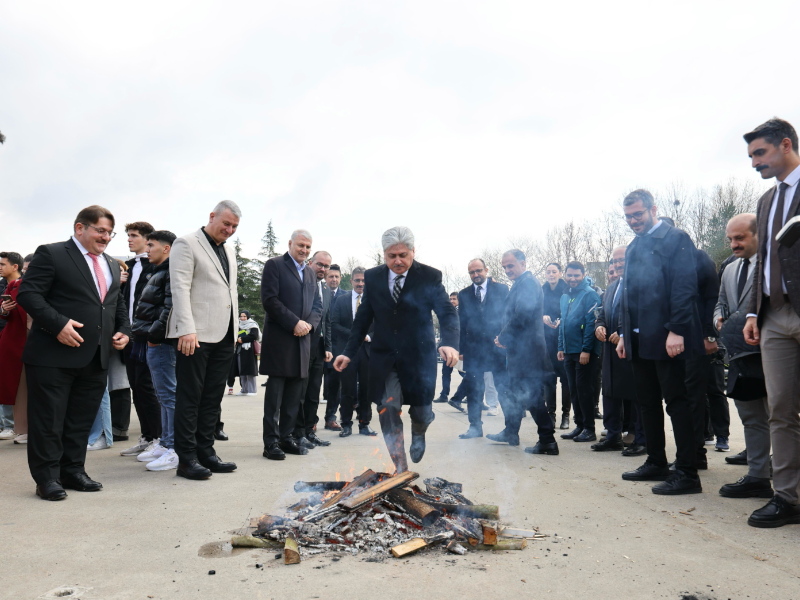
617	376
403	336
480	323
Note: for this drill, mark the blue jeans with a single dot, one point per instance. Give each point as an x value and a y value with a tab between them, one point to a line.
161	360
102	422
6	416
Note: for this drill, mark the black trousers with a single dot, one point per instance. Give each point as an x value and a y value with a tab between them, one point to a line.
719	415
201	383
476	389
527	393
613	408
354	389
447	373
702	381
552	381
332	391
582	380
307	413
657	379
282	399
120	411
62	405
145	400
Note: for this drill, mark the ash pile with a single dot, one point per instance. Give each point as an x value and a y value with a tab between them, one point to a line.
383	515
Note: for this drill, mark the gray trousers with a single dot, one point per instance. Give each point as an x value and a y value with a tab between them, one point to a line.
754	415
780	357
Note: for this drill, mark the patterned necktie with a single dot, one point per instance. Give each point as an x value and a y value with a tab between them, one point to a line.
358	301
478	294
775	278
397	287
101	279
742	278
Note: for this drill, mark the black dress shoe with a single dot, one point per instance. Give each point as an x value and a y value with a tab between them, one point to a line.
635	450
220	435
273	452
572	434
192	469
540	448
737	459
366	430
303	442
441	399
564	422
80	482
456	404
51	490
316	440
417	449
504	438
472	432
647	472
677	484
610	443
215	464
346	431
748	487
292	447
597	414
585	436
119	438
777	513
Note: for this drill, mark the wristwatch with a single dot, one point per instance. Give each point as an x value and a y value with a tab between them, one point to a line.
711	339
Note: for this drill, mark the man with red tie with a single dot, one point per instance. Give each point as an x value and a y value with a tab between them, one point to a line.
71	290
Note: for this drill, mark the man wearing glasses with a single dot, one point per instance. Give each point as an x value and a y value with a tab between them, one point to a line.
321	353
72	291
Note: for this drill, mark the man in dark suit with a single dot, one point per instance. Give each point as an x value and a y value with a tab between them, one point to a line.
71	290
522	336
320	354
355	378
480	316
293	305
398	302
660	328
332	387
773	318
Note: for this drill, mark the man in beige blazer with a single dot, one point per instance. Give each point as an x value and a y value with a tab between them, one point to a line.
202	272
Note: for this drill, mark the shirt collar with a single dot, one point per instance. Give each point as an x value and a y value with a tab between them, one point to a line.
393	275
654	227
298	265
210	239
83	250
792	178
138	257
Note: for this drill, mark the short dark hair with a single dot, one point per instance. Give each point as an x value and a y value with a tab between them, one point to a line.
143	227
92	214
554	264
29	257
453	294
646	197
161	235
518	254
13	258
576	264
774	132
335	267
356	271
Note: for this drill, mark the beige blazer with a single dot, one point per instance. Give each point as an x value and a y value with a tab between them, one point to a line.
203	303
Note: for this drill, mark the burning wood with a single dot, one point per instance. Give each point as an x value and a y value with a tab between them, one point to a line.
383	514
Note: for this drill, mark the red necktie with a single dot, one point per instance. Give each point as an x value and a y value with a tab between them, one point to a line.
101	279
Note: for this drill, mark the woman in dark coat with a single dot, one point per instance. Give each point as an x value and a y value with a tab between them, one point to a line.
245	364
553	288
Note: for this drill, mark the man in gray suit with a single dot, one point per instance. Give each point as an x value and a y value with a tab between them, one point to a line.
773	318
734	296
202	272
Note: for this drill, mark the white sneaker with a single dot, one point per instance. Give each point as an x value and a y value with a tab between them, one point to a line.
140	447
22	438
166	462
251	394
493	411
7	434
153	451
100	444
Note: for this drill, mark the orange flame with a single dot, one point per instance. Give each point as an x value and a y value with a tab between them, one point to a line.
338	476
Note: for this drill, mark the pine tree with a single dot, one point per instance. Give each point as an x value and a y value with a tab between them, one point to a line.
268	243
249	283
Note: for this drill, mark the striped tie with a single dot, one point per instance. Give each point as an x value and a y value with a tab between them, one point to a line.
101	279
397	287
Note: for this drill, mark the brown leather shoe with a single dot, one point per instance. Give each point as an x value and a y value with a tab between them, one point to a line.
333	426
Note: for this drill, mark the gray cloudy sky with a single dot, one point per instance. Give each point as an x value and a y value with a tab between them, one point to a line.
470	122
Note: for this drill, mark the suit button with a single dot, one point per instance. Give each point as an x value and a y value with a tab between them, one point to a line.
228	306
98	326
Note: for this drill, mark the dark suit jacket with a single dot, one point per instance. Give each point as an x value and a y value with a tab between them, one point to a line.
789	257
660	294
707	292
144	277
480	323
342	323
287	300
58	286
325	320
617	376
403	332
523	330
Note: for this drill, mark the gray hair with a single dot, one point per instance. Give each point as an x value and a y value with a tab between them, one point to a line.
397	235
358	271
518	254
301	233
230	205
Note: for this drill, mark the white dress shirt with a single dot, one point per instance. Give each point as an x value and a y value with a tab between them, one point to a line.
355	298
133	279
482	288
103	266
791	180
300	267
392	277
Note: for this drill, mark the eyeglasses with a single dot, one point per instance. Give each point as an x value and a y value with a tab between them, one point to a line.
615	261
322	266
637	216
476	272
101	231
